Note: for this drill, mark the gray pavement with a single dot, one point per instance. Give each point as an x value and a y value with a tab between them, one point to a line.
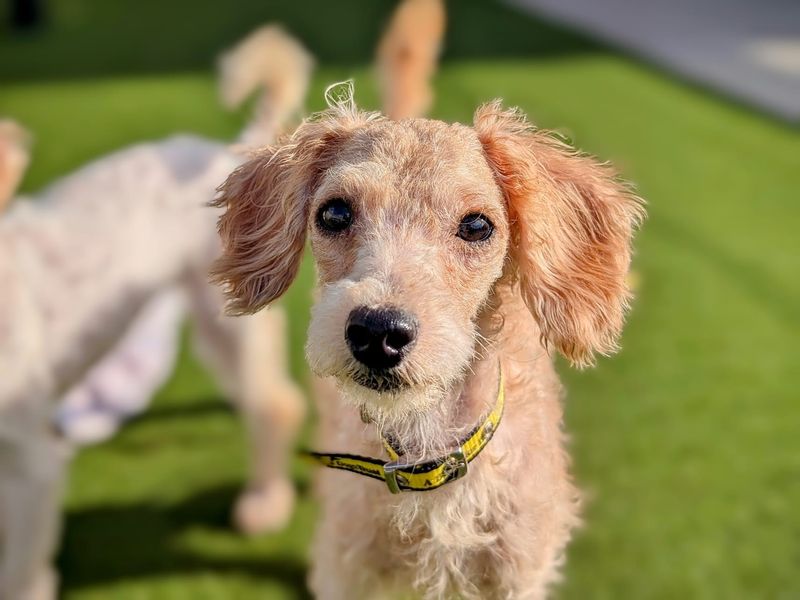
748	49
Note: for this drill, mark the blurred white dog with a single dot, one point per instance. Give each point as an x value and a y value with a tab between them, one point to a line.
91	265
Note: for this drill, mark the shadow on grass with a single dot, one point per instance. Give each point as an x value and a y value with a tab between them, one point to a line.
208	406
112	543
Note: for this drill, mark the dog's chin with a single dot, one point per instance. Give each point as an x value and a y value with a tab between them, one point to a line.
380	381
387	396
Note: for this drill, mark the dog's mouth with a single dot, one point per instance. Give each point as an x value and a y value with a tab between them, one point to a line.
379	380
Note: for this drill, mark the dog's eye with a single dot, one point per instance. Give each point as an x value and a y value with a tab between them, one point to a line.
334	215
475	227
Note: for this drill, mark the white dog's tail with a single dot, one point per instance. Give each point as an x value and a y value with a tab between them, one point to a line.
273	62
407	57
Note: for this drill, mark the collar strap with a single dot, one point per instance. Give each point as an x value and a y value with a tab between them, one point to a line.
401	476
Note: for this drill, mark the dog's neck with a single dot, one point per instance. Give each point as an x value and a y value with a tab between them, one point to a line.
439	429
431	433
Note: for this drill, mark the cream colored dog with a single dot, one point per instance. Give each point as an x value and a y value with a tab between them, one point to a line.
80	261
446	253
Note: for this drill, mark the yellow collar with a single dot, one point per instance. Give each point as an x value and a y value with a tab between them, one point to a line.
401	476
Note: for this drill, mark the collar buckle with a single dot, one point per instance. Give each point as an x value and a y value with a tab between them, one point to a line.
456	464
392	477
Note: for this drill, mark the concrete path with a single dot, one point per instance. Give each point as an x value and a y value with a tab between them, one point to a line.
748	49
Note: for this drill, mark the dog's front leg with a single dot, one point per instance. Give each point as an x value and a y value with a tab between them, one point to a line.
350	558
32	465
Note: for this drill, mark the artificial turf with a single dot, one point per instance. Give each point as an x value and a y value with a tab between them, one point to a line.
687	442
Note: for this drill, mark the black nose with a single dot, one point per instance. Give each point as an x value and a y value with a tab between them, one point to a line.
380	337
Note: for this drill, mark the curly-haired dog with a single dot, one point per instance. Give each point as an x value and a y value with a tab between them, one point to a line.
78	263
451	260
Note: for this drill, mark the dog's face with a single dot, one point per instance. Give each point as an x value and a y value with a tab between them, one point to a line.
409	231
412	224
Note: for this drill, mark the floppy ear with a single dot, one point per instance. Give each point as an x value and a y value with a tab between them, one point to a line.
263	228
572	223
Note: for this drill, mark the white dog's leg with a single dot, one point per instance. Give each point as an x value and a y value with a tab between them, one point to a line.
248	355
273	408
30	498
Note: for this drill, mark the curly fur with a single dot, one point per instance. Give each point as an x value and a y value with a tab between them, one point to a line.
553	273
575	222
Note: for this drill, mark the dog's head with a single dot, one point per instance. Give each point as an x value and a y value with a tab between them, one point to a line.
413	224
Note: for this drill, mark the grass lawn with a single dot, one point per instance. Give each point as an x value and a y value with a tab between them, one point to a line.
688	442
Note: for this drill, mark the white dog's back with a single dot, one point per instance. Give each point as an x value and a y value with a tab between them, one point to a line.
82	254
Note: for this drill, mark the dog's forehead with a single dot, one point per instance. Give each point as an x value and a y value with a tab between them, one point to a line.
418	144
424	157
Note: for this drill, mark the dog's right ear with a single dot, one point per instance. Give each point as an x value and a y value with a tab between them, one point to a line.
572	221
263	228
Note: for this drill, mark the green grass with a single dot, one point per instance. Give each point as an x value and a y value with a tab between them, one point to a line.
687	442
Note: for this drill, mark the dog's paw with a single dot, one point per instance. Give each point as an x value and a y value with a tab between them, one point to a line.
266	509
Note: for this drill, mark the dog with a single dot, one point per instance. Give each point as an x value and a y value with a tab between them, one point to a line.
122	383
81	261
453	262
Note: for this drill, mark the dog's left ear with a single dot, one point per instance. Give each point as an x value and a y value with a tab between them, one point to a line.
572	226
263	228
